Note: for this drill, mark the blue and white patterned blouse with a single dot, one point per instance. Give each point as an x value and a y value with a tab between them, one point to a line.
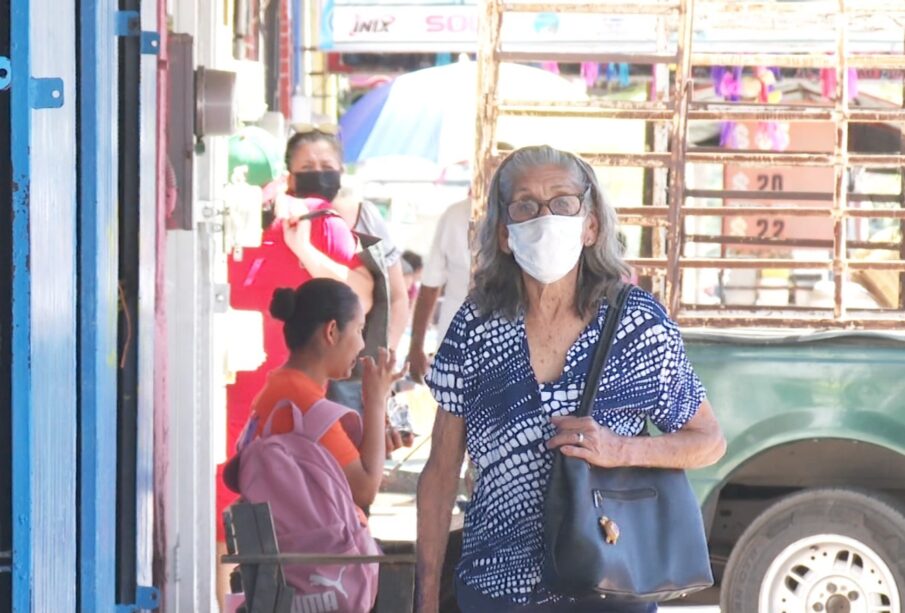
482	372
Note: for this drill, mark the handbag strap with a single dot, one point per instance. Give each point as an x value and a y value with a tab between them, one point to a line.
603	350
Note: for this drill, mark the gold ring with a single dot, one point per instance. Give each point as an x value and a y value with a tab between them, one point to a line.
580	438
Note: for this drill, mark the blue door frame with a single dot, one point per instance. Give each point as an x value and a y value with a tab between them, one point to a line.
44	387
98	253
20	394
64	307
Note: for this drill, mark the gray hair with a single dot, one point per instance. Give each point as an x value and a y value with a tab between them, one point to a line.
498	286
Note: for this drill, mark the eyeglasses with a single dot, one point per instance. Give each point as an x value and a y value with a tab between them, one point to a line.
324	128
567	205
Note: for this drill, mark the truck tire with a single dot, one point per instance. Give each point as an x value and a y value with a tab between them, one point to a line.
820	550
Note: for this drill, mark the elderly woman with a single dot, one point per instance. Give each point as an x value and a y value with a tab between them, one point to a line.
510	373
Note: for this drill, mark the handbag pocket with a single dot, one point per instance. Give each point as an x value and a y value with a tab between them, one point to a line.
618	508
601	495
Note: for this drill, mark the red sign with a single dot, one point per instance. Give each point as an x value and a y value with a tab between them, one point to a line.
813	137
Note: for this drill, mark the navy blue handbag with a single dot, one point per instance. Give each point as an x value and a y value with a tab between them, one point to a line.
632	534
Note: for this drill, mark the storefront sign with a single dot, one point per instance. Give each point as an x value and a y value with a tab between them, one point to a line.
377	26
454	28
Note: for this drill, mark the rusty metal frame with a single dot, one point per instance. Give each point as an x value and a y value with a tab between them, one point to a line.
840	166
697	111
676	108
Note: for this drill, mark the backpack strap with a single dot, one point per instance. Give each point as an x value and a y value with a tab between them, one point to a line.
297	420
324	413
314	423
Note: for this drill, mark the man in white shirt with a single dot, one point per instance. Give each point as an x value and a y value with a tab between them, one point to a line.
447	269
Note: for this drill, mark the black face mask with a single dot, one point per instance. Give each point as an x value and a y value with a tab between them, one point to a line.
322	183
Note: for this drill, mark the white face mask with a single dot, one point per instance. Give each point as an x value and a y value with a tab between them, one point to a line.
547	247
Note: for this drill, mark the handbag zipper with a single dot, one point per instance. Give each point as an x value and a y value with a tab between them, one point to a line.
623	495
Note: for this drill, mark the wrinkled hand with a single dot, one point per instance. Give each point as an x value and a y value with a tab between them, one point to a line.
584	438
418	364
378	377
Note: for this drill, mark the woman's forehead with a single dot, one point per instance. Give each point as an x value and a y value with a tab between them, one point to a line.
545	177
316	151
359	313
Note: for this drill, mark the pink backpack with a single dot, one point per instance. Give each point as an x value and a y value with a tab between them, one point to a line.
312	507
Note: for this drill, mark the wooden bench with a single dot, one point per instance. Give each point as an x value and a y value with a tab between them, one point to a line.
251	543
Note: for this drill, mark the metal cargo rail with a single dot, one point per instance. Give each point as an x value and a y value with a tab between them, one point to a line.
670	107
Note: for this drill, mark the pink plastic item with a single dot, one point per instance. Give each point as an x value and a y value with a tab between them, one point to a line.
232	602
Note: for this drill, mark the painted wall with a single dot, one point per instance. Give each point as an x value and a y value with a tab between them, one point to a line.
194	385
147	303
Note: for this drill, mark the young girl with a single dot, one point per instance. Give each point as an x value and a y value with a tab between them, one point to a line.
323	322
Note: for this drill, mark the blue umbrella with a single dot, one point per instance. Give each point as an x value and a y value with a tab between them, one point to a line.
430	113
356	124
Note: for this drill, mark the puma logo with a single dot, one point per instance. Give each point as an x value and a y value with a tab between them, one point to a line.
336	584
315	603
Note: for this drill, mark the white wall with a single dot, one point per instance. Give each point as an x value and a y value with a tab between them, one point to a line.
195	265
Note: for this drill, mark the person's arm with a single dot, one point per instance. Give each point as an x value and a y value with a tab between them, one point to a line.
399	304
297	236
425	304
698	443
366	473
437	489
433	278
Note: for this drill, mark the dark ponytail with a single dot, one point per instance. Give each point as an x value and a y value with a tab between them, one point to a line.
313	304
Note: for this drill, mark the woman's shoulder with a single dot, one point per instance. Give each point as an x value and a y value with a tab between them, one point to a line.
470	318
644	303
471	330
643	314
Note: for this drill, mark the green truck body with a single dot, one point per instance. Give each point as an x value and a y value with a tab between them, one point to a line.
810	419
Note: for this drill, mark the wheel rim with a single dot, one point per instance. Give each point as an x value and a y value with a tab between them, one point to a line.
829	573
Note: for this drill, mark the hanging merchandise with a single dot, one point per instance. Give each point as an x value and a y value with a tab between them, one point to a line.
623	75
550	67
618	73
828	83
772	135
727	85
767	78
733	85
590	72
